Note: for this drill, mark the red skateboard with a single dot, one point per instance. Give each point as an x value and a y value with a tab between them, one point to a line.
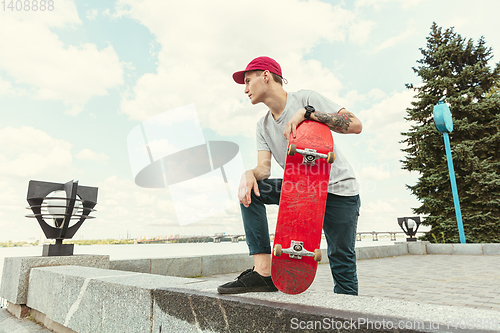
302	207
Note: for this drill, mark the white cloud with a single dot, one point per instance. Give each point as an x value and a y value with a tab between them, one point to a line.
383	124
474	22
377	94
92	14
359	32
6	89
89	155
351	99
394	40
382	214
372	209
196	66
122	205
377	3
32	54
408	4
120	199
28	152
11	199
372	172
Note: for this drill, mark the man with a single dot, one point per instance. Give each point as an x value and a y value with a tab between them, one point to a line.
263	82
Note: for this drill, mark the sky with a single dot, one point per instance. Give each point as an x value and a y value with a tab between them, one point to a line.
77	78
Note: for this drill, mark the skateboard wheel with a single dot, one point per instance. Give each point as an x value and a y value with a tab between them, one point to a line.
292	149
330	157
318	255
277	250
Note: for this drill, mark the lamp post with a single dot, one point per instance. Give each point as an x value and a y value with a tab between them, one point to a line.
444	124
64	204
410	226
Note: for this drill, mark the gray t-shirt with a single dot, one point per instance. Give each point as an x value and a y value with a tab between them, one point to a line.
270	138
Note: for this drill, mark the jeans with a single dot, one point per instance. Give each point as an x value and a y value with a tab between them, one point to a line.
339	225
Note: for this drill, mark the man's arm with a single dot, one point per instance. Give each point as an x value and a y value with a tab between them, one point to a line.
249	179
342	122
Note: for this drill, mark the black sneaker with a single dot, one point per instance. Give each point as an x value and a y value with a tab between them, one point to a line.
248	281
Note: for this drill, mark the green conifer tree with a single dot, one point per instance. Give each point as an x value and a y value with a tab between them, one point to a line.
457	70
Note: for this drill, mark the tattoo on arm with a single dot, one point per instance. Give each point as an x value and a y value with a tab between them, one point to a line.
339	122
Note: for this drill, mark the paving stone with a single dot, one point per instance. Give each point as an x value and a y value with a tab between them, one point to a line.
440	279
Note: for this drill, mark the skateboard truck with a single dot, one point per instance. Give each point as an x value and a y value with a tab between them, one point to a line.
310	155
296	251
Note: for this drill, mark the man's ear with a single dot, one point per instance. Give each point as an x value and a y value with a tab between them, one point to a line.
266	74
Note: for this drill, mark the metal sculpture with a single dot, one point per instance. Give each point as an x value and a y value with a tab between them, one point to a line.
444	124
410	226
63	203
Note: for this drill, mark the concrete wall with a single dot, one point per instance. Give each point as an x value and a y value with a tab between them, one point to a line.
16	270
187	266
94	300
470	249
231	263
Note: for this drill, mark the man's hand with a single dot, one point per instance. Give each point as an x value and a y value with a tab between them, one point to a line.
247	184
291	126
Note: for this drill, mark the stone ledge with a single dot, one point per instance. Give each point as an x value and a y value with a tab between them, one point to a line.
491	249
16	272
186	266
88	299
464	249
381	251
98	300
278	312
439	249
468	249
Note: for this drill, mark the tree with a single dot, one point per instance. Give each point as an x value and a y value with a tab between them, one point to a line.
457	70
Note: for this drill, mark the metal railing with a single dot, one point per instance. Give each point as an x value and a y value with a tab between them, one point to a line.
376	233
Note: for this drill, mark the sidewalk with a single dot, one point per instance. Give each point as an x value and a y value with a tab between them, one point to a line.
455	280
10	324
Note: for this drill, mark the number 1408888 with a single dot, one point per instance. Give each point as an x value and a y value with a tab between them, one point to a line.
27	5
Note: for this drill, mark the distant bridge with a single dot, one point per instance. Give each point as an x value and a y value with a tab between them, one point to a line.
166	240
376	233
217	238
234	238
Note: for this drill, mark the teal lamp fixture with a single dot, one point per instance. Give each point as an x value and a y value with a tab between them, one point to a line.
444	124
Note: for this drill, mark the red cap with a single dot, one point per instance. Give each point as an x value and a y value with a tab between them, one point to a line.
260	63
